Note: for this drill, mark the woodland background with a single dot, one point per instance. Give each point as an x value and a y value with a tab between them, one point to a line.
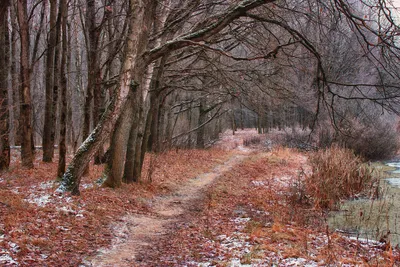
143	75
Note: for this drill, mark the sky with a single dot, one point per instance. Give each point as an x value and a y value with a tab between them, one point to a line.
396	4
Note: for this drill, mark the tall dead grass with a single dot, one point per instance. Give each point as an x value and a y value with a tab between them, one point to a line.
337	173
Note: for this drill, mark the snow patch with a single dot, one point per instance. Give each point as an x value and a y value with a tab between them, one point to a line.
41	201
7	259
237	263
14	247
284	180
258	183
243	149
299	262
15	190
46	185
87	186
240	223
67	210
62	228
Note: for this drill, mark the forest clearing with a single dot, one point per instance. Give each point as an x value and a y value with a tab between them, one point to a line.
226	206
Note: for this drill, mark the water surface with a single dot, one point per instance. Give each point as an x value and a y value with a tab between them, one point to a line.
373	219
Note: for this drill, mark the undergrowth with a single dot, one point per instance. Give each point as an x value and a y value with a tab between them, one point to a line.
337	174
253	140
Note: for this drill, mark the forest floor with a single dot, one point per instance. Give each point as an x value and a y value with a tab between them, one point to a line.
230	205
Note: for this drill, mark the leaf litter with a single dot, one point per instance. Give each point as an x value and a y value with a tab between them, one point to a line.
240	218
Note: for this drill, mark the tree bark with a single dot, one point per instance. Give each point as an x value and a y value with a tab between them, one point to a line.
122	134
25	94
4	109
137	29
63	86
115	167
202	118
47	141
132	160
15	79
56	84
94	72
130	151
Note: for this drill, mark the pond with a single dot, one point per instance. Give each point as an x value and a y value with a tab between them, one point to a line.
373	219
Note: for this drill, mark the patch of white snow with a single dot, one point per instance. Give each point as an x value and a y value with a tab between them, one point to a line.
7	260
299	262
14	247
87	186
41	201
46	185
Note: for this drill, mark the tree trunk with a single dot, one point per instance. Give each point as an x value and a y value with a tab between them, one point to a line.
15	79
136	59
155	93
133	164
138	163
4	109
122	134
115	166
241	116
48	112
56	84
158	123
202	119
25	94
137	31
63	86
94	72
131	149
145	141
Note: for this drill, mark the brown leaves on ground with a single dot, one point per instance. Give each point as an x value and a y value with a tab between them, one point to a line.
41	228
248	218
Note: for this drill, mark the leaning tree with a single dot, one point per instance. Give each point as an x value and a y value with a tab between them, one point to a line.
208	25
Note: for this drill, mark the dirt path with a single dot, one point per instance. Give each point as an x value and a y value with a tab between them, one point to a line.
136	232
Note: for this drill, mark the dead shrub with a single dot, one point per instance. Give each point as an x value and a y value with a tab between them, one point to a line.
373	142
252	140
298	138
337	173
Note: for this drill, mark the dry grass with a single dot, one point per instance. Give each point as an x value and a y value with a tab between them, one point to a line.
337	174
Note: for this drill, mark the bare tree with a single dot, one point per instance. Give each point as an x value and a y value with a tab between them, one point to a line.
25	94
138	27
48	139
4	71
63	86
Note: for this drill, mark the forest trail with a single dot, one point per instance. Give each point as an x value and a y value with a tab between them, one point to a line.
136	232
